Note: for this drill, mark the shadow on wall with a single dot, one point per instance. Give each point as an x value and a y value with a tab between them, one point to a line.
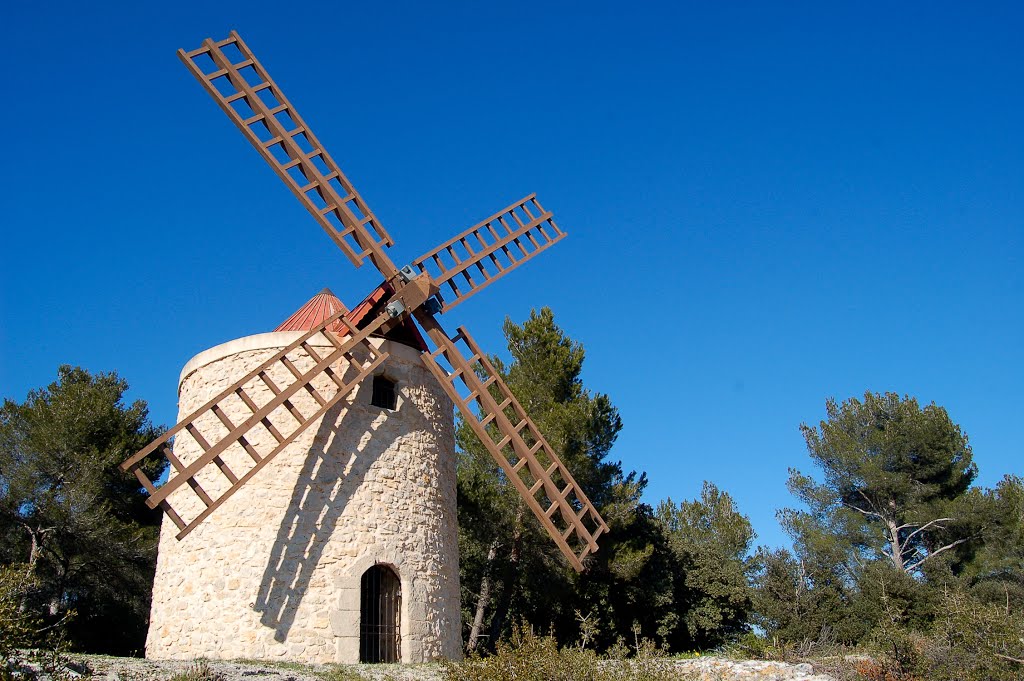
321	493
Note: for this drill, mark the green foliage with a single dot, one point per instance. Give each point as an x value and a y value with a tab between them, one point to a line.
527	657
19	628
893	642
802	598
26	642
895	551
629	583
968	641
710	541
340	673
974	641
53	660
678	577
79	523
891	474
510	567
891	516
995	573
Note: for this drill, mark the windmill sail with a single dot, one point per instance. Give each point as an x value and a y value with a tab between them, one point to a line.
488	251
241	86
515	442
270	394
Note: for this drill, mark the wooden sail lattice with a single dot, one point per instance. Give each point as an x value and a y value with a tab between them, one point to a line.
515	442
244	90
483	253
274	423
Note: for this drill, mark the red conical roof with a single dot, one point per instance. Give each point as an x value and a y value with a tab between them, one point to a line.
324	304
314	312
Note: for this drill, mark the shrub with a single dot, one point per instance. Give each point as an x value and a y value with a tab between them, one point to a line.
974	641
340	673
528	657
199	670
19	627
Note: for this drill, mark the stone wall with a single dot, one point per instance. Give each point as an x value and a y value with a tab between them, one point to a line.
274	573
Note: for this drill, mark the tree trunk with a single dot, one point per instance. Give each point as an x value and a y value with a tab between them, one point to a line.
895	550
511	576
36	536
483	600
34	550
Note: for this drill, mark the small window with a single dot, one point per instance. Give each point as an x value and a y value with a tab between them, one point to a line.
384	395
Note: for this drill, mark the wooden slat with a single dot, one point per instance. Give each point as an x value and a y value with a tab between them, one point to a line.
173	515
271	428
194	432
146	483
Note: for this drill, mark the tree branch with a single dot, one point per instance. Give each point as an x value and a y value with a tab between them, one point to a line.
861	510
870	503
924	527
931	555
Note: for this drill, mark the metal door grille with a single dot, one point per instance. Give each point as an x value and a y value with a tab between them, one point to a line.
380	624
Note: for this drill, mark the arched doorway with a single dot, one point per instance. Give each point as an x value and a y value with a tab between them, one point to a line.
380	605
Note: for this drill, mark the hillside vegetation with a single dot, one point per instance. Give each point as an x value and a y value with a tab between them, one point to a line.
900	566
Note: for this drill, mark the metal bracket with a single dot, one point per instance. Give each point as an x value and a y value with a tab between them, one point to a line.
408	273
395	308
432	305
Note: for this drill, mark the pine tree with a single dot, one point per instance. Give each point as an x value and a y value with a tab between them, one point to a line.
710	540
893	472
78	524
511	570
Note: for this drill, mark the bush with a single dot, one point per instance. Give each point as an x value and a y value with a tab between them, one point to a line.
19	628
200	670
528	657
969	641
974	641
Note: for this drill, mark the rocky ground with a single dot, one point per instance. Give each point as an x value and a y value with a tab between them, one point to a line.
699	669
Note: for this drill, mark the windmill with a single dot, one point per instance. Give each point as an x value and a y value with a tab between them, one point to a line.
328	361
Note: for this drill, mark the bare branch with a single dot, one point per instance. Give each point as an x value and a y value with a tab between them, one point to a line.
1011	659
927	524
870	503
861	510
931	555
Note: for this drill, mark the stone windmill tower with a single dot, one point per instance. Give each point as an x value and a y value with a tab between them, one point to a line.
344	549
358	513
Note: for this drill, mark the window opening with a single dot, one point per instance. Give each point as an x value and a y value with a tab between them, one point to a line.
384	394
379	624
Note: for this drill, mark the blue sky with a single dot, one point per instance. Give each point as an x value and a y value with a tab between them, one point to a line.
766	205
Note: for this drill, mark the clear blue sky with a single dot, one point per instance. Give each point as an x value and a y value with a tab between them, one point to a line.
767	206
